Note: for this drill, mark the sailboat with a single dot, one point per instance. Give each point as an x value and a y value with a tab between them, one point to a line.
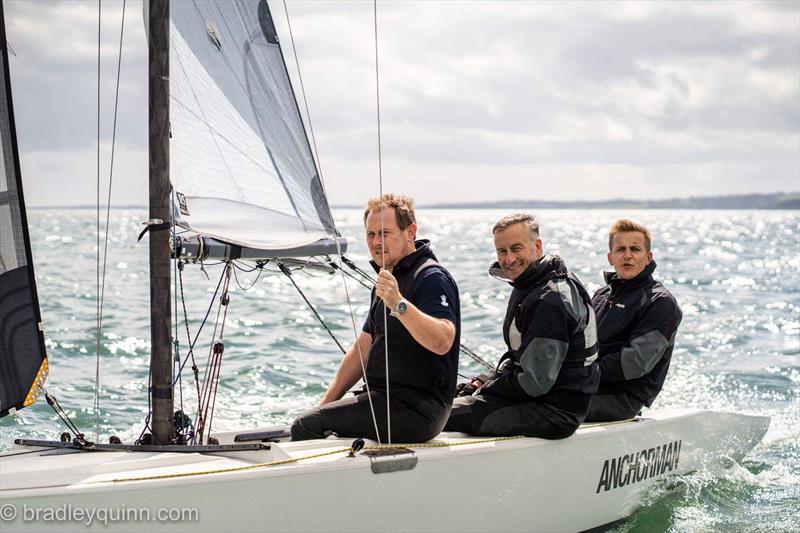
231	163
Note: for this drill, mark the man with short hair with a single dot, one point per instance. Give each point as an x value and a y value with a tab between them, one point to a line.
544	382
637	319
422	332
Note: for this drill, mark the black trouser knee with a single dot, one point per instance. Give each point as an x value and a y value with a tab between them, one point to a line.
307	427
413	419
613	407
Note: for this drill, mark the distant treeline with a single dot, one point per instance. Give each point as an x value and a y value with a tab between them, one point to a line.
740	201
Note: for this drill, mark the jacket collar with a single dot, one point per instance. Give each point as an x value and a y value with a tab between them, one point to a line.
534	272
643	278
423	249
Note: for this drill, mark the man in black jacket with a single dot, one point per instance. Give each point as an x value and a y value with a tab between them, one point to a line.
545	380
421	333
637	319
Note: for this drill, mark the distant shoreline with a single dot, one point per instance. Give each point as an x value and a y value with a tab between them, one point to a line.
782	201
740	201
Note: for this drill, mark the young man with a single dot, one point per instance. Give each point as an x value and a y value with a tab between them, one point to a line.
637	319
544	382
423	331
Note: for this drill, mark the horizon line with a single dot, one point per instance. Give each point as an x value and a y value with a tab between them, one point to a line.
504	203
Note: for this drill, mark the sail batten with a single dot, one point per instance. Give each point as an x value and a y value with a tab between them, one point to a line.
241	164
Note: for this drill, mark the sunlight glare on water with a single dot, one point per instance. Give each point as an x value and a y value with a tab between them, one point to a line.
736	275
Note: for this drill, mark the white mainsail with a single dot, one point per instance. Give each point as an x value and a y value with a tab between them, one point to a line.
240	162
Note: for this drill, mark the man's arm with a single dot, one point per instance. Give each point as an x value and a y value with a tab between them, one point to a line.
543	350
350	370
434	334
651	337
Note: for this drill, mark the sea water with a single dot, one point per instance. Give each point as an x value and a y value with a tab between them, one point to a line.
736	275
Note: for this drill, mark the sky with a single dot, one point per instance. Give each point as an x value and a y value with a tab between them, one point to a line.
480	100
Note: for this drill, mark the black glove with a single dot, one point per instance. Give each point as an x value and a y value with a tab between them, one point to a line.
465	389
468	388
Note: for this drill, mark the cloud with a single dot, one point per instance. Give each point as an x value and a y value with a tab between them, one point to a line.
658	99
54	74
68	177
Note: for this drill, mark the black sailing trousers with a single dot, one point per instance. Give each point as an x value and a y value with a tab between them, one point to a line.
488	414
414	418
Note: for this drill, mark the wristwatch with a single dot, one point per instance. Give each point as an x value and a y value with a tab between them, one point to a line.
400	308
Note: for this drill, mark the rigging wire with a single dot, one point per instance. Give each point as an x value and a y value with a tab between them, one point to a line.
357	345
311	306
356	268
62	414
383	234
102	279
241	267
351	276
259	267
97	280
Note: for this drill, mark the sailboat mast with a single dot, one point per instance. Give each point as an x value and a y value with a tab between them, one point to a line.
160	252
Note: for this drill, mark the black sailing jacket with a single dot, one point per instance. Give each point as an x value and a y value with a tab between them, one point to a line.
636	322
413	370
551	335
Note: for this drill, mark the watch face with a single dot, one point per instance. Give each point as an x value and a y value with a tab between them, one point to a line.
402	306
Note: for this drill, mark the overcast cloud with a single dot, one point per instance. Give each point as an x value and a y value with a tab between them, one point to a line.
479	100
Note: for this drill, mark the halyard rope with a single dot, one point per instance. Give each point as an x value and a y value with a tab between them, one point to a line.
190	344
383	234
215	351
609	423
97	280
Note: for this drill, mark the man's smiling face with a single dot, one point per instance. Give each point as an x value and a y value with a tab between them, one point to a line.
516	249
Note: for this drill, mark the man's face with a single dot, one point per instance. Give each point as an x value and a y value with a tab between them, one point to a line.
515	250
394	244
628	254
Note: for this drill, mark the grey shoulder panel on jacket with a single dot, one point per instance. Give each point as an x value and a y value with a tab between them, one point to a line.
571	300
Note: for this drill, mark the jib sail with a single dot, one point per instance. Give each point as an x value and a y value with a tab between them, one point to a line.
240	162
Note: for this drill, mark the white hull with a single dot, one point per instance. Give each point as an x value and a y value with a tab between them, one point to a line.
521	484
